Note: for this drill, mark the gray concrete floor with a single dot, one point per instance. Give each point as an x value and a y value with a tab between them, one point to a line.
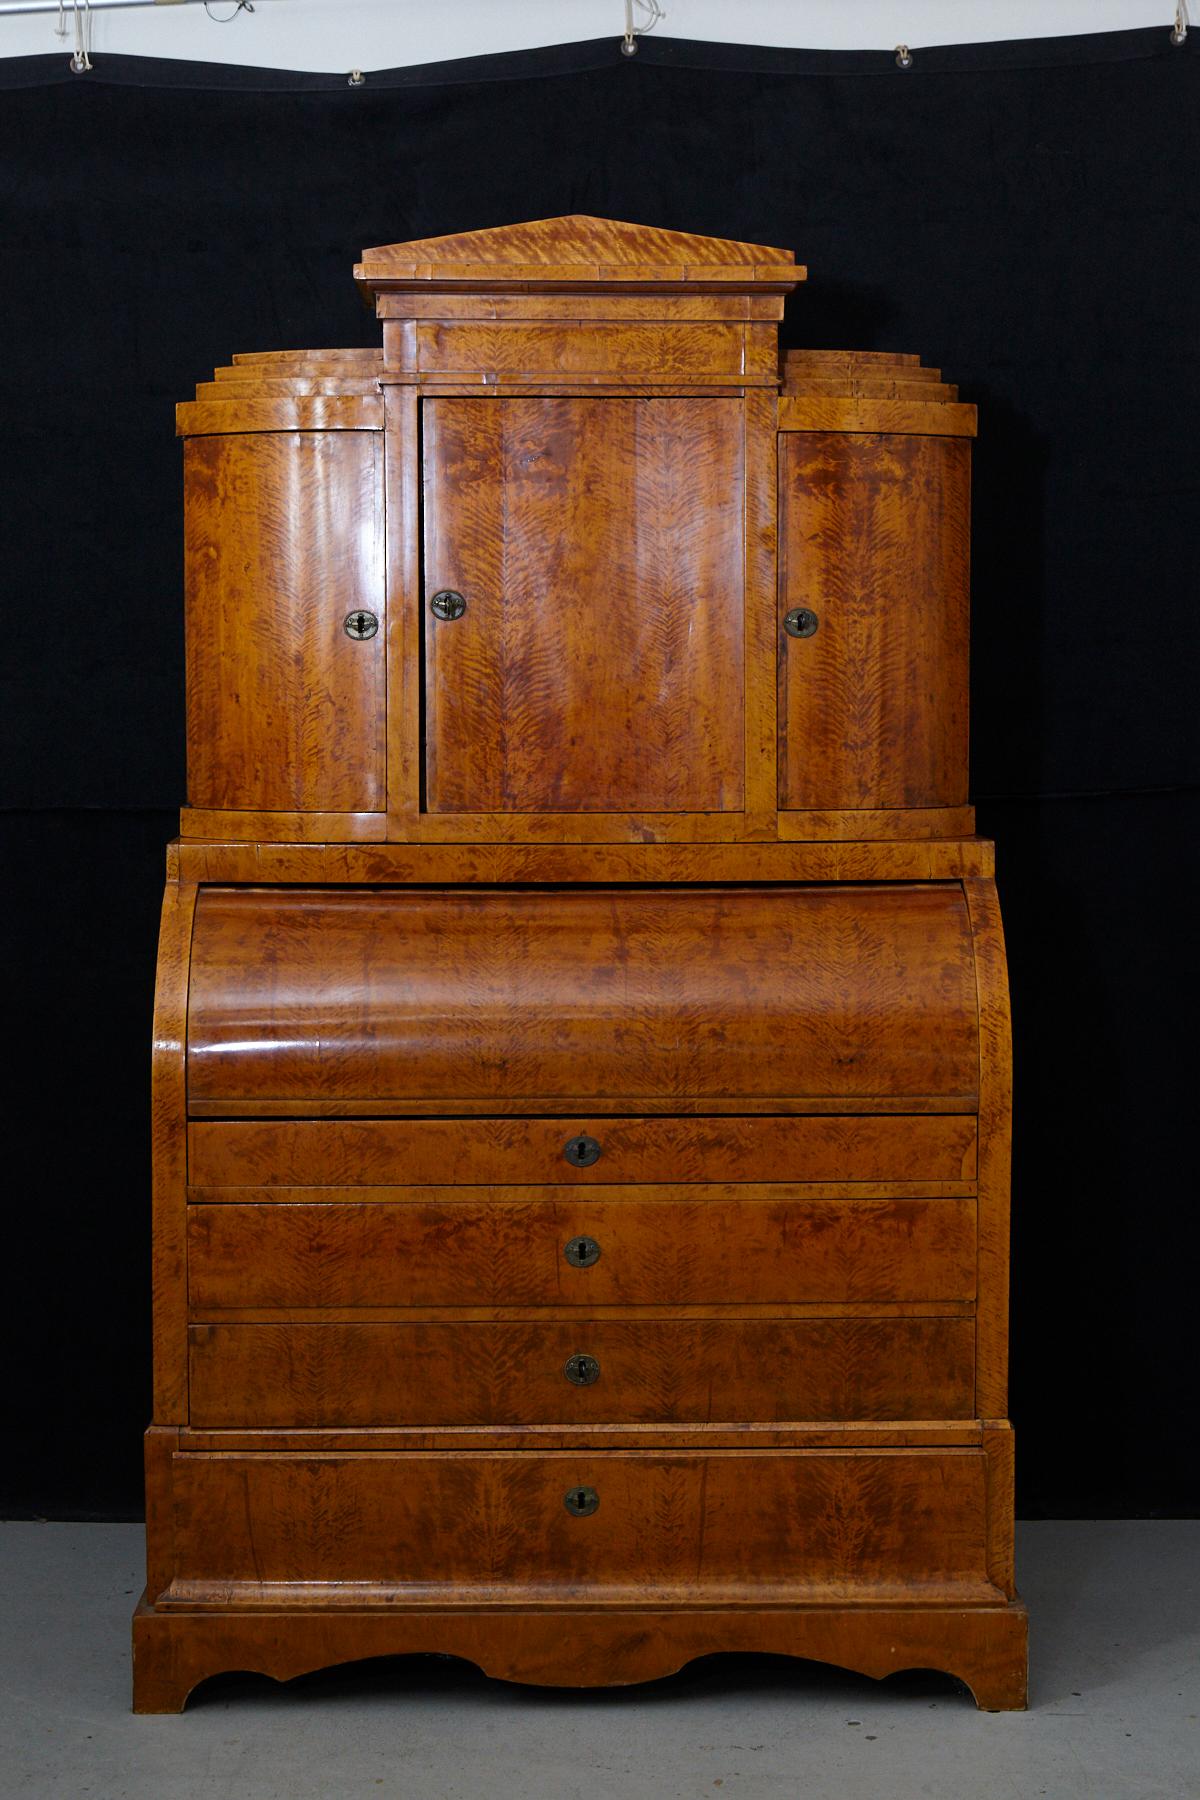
1115	1691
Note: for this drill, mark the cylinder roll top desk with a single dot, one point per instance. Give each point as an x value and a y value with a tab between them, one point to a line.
581	1082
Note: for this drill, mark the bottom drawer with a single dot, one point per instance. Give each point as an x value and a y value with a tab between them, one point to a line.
617	1527
643	1371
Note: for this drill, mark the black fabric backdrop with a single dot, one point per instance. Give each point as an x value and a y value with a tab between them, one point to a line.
1023	215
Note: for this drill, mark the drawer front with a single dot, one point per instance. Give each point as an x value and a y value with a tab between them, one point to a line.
682	1249
263	1529
813	1147
516	347
590	1371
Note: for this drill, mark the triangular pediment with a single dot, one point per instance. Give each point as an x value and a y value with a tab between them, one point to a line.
577	240
577	251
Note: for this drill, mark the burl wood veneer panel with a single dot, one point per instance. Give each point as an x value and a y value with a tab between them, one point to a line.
598	545
837	991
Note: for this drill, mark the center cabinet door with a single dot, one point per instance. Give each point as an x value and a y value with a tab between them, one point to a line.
598	664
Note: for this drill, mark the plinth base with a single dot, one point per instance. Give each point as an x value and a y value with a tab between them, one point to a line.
985	1646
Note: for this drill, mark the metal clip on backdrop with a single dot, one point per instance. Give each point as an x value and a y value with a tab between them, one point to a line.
629	42
81	60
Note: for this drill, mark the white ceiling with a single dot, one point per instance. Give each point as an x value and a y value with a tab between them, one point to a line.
384	34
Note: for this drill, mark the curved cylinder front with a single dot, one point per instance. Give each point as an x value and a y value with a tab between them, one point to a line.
315	997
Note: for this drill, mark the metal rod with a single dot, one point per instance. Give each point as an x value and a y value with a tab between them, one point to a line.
45	6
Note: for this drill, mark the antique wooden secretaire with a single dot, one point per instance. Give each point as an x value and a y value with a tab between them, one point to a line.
581	1056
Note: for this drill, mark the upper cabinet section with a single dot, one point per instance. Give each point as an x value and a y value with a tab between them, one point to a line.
572	558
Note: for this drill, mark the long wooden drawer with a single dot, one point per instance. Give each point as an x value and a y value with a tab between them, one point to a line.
604	1527
768	1148
616	1371
682	1246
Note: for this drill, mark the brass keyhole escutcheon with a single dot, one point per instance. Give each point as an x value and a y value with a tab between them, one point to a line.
581	1370
581	1502
360	625
801	622
581	1151
447	603
582	1252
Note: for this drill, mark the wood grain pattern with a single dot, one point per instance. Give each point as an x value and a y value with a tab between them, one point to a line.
322	412
848	378
606	303
168	1143
869	823
470	865
854	825
999	1447
597	384
729	1528
874	537
599	546
368	358
806	356
494	1250
962	1187
984	1646
614	1106
943	828
159	1448
875	387
575	250
382	995
283	827
278	387
502	276
663	352
301	377
665	1371
391	1152
829	1434
284	538
995	1145
406	605
851	414
761	545
861	826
